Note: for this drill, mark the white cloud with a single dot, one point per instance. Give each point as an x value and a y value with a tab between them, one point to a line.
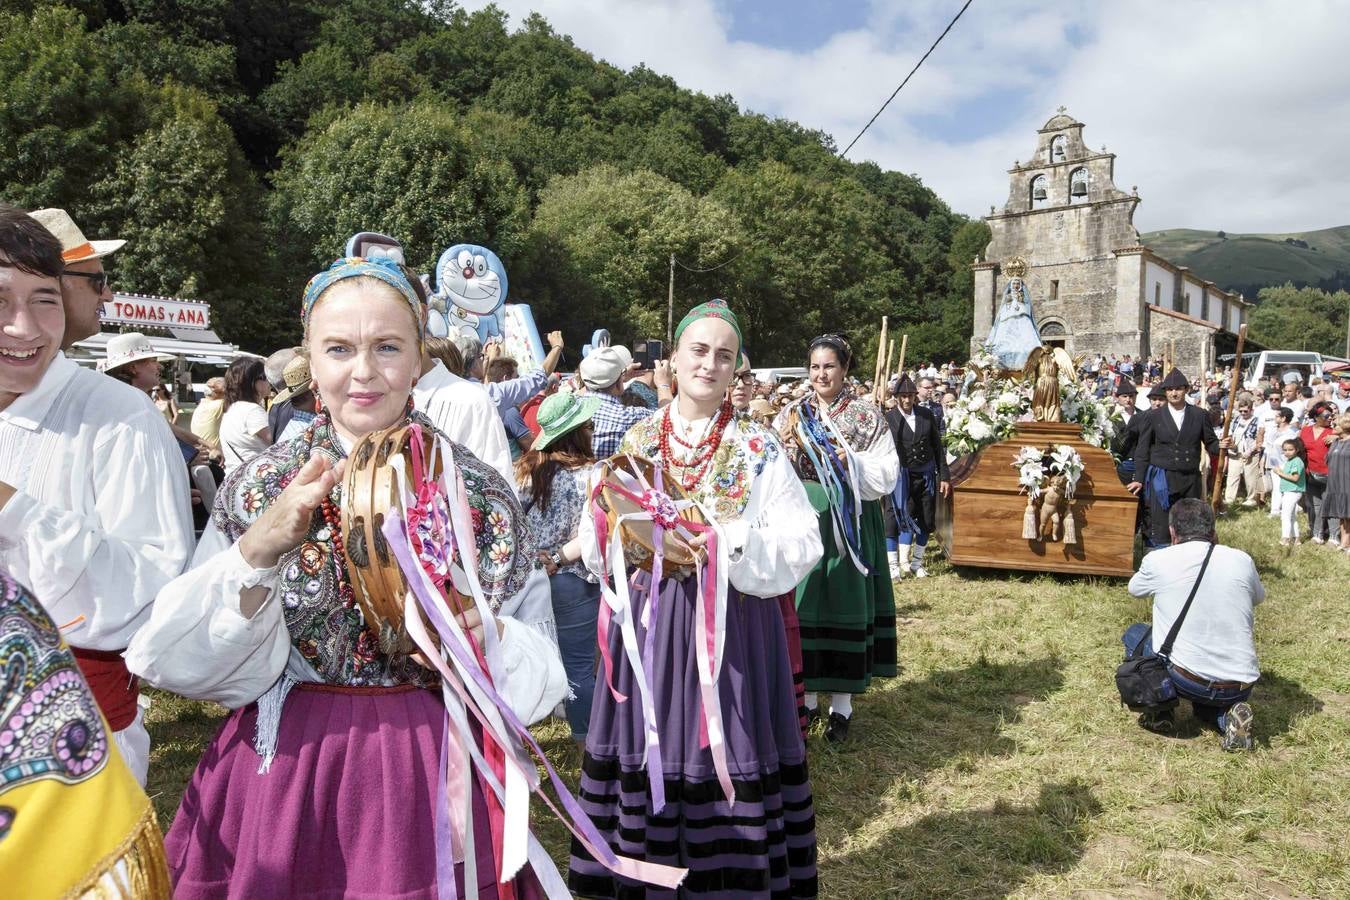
1225	114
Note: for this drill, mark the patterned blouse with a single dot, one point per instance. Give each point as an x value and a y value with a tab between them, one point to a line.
556	524
746	448
859	420
325	624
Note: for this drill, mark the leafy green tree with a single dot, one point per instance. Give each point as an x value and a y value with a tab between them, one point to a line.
600	248
61	112
1290	318
814	259
189	208
413	172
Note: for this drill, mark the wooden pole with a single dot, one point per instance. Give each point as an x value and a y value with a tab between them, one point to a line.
881	358
1222	461
900	363
886	372
670	309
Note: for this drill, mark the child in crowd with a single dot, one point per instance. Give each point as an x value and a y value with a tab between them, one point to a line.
1293	474
1281	431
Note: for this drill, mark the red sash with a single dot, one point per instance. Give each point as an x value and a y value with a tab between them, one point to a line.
115	688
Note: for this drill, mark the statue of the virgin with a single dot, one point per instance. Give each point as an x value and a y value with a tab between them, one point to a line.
1014	334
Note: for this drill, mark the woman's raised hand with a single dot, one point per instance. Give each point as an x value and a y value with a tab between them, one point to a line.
286	522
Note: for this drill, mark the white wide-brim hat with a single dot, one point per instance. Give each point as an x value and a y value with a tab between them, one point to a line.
75	247
124	349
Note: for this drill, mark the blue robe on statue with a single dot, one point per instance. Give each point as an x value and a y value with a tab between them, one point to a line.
1014	334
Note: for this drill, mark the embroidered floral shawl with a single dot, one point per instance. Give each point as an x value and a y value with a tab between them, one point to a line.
746	448
324	625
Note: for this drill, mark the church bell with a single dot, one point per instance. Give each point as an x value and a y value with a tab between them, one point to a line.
1038	194
1079	189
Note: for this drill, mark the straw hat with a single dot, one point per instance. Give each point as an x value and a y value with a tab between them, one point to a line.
296	378
761	407
75	247
559	414
124	349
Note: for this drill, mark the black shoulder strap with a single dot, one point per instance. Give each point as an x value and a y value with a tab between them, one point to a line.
1166	647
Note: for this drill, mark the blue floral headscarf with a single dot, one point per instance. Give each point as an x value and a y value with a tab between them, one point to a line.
382	269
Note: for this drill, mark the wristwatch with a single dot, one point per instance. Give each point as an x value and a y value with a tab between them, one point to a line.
556	558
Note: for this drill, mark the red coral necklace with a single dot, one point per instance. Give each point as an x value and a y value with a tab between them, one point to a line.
696	465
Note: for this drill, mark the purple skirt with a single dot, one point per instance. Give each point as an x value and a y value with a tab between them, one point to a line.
345	811
788	604
763	847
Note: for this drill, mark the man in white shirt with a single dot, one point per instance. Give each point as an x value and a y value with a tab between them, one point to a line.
1213	659
94	511
1293	396
465	413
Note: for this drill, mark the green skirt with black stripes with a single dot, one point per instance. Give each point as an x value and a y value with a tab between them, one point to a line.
847	617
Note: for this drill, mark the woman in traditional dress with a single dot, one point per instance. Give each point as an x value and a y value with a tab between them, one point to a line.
73	820
841	448
323	780
748	739
554	479
741	395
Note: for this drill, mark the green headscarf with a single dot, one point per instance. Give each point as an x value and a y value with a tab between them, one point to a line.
713	309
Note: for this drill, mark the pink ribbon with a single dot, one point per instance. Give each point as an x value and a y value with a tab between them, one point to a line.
710	611
466	668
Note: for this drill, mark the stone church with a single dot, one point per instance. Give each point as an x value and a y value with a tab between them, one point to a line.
1094	288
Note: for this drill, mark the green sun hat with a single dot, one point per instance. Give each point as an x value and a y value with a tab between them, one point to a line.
561	413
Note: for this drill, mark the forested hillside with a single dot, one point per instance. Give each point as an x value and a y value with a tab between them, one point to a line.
1249	262
236	144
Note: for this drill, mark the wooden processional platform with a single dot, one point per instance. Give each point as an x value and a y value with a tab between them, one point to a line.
987	509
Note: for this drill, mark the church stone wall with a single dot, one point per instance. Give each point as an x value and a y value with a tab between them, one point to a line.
1086	270
1192	343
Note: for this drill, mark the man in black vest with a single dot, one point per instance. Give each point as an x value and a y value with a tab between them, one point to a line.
923	477
1167	456
1127	430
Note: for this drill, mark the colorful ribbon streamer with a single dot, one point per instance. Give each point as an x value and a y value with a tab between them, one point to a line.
477	714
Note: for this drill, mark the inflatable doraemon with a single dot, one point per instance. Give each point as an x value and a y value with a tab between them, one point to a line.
470	292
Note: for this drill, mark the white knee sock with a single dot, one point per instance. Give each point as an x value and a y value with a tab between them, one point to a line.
842	704
811	701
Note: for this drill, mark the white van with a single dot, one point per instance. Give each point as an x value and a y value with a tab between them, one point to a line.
1279	362
780	374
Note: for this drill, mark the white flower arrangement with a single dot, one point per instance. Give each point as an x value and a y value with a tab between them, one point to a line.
1030	471
990	413
1033	472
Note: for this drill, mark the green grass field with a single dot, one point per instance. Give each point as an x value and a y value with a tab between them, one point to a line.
999	763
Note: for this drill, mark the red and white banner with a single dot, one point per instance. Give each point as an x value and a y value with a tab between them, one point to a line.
156	312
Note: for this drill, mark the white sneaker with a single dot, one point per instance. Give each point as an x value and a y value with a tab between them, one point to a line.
1317	540
917	566
896	574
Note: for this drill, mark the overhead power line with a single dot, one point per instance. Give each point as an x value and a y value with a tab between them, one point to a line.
841	154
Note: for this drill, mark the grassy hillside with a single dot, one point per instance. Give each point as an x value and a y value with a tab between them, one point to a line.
1249	262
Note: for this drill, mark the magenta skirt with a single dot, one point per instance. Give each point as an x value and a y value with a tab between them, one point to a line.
345	811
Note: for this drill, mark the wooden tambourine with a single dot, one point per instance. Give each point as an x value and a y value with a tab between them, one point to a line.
369	493
637	536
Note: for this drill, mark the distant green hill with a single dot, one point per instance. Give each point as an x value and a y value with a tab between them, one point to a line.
1249	262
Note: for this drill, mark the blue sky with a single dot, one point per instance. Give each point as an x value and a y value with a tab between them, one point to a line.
1220	111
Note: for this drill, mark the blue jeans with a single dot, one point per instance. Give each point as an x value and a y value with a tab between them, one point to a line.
576	608
1208	704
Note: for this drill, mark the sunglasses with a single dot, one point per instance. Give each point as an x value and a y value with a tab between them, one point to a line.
97	280
745	378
